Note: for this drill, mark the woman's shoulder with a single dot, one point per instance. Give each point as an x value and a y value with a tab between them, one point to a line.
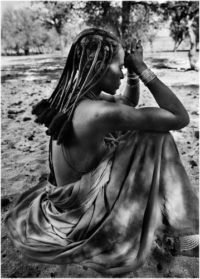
92	111
96	118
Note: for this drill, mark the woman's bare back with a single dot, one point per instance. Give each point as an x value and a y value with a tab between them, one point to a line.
84	151
93	120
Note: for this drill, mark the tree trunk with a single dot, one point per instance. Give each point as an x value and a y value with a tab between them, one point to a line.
193	46
17	49
59	29
151	45
62	43
126	8
26	48
26	51
177	44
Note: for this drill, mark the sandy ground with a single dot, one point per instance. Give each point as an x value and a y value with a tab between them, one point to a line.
24	150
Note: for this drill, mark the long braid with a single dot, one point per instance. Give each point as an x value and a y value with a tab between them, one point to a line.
86	79
77	79
45	109
91	83
63	77
68	84
93	47
67	124
57	121
61	117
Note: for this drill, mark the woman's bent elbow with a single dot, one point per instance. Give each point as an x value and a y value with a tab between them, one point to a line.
184	121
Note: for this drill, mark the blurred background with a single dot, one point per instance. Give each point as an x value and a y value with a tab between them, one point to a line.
47	27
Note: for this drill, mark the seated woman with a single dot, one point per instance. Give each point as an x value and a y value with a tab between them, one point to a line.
117	183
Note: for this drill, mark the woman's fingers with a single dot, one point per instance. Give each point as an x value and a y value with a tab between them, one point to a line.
139	44
133	45
133	55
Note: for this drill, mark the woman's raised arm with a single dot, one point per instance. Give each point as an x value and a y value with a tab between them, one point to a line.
170	116
164	97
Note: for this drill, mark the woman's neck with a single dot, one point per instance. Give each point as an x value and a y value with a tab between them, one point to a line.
93	94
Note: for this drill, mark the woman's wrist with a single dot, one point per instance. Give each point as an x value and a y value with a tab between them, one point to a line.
143	73
141	68
138	69
132	79
132	91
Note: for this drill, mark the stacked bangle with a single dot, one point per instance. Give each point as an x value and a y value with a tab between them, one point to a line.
146	76
133	85
133	75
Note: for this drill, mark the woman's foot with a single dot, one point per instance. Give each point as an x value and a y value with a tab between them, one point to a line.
183	245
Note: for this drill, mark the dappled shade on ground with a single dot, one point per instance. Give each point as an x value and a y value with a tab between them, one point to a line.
25	149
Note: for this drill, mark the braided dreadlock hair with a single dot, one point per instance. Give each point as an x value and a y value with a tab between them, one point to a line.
91	52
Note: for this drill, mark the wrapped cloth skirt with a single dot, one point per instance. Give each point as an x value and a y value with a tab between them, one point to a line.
110	218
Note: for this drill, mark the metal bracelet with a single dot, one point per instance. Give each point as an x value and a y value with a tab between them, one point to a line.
146	76
133	78
133	75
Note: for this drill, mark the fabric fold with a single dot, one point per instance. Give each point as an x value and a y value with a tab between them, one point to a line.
109	219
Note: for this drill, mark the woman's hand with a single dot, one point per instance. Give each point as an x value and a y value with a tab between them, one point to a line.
134	58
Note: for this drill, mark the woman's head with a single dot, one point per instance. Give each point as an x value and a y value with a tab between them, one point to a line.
110	81
92	53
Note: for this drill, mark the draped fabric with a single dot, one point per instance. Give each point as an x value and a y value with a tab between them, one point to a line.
109	219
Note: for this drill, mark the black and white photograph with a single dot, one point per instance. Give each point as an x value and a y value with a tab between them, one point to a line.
100	139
